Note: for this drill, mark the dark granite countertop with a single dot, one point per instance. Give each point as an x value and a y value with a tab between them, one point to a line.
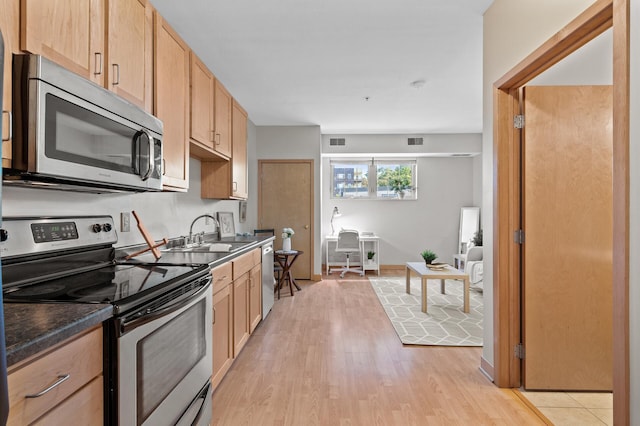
212	258
33	327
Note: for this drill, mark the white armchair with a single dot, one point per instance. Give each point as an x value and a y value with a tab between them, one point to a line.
473	266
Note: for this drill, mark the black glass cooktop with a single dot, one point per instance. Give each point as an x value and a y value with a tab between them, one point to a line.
116	284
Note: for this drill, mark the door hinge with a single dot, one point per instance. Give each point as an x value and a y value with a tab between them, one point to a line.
518	236
518	351
518	121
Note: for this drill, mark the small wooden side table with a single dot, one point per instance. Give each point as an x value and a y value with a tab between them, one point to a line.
286	260
425	273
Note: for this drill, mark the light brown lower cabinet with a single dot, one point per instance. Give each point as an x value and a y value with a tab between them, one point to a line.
237	309
76	366
255	297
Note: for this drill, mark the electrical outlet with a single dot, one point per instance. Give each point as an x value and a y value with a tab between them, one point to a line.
125	222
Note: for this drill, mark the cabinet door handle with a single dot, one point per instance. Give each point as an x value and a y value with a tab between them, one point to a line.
10	126
57	383
98	63
217	139
214	315
116	72
212	136
164	167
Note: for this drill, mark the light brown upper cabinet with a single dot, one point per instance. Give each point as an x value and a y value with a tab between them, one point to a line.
222	114
130	39
228	179
201	128
239	181
72	34
9	23
171	103
69	32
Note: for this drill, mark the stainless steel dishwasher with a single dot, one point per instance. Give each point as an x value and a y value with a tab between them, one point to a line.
268	281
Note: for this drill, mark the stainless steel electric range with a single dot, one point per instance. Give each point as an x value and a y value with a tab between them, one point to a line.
157	345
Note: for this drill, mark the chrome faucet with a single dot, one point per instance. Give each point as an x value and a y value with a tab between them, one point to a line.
195	220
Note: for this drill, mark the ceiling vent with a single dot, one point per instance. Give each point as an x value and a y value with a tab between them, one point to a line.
415	141
337	142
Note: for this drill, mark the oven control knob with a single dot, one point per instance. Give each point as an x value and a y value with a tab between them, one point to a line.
106	227
96	227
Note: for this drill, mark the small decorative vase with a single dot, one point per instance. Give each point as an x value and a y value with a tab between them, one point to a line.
286	244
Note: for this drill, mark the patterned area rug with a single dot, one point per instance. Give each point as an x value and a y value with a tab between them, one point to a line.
445	324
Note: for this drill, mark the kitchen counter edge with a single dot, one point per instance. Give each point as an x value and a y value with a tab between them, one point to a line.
31	328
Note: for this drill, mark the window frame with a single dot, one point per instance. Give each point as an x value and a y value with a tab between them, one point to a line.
373	164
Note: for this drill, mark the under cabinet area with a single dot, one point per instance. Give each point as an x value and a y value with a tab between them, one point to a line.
63	385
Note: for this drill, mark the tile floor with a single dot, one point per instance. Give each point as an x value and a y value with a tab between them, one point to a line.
573	408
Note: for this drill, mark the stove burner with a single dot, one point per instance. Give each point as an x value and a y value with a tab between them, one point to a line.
35	290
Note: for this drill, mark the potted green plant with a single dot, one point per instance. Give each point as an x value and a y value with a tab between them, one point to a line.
399	185
370	255
428	256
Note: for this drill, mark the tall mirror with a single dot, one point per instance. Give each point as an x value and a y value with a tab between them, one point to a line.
469	225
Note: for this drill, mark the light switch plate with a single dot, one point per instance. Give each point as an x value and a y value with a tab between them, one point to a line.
125	222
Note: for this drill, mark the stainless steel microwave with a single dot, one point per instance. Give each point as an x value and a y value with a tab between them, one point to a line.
70	133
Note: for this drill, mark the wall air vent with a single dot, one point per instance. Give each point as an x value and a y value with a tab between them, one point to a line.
337	142
414	141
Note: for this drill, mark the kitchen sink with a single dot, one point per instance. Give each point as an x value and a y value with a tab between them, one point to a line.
217	247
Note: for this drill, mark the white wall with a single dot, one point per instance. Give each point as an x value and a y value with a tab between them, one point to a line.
405	228
512	29
299	143
164	214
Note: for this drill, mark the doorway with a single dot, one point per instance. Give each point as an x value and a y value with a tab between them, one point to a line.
285	200
601	16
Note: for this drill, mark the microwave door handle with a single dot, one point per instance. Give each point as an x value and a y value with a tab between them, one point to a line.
150	151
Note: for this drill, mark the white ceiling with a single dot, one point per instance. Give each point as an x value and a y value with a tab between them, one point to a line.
343	65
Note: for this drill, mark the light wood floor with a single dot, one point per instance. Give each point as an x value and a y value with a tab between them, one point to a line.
329	356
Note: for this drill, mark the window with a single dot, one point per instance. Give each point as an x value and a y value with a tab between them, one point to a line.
374	179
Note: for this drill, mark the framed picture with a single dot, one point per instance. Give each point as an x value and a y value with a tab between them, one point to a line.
243	211
227	227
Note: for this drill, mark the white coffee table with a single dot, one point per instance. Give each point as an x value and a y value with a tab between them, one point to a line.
450	273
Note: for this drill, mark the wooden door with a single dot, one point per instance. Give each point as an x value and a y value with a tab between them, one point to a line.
130	39
255	297
68	32
285	198
171	99
567	254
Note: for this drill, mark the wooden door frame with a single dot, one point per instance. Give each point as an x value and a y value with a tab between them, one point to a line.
311	207
600	16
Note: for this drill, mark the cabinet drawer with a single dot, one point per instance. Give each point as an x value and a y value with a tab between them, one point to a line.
80	358
222	276
243	264
83	407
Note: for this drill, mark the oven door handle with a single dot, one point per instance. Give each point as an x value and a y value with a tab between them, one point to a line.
191	417
143	317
